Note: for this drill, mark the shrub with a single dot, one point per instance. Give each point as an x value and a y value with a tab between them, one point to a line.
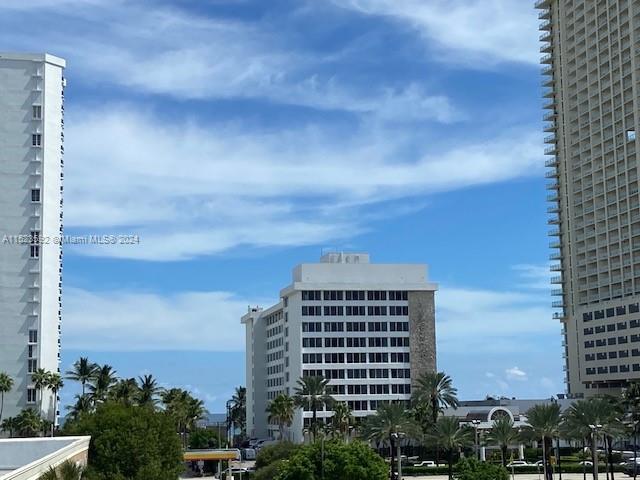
353	461
204	438
130	443
472	469
278	451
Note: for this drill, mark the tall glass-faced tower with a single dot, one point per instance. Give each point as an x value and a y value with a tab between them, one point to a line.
590	56
31	151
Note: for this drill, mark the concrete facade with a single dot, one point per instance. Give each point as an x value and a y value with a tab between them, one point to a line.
591	61
31	159
369	328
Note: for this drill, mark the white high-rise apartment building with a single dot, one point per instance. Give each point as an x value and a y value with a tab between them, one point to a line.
369	328
591	61
31	159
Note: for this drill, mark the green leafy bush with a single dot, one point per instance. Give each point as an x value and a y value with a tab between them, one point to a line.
472	469
271	453
334	461
204	438
130	443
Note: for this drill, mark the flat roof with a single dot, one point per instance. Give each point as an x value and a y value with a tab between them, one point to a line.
35	57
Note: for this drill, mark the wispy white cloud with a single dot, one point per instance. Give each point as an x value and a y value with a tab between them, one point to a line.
135	321
476	32
193	190
515	373
173	53
534	276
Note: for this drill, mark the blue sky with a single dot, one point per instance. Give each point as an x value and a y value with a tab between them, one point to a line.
238	138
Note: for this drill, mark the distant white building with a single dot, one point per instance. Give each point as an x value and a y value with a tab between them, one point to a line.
370	328
31	151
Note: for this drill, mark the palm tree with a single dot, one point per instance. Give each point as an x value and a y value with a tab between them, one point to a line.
631	403
610	412
28	423
183	409
342	419
576	425
54	383
544	423
390	420
448	433
436	391
503	434
280	411
40	379
101	382
125	391
312	392
82	406
148	391
10	425
68	470
83	371
238	410
6	384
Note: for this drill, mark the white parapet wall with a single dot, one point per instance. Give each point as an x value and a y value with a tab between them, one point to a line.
29	458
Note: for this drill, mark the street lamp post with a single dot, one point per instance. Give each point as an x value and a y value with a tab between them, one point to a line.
229	434
476	424
398	436
594	448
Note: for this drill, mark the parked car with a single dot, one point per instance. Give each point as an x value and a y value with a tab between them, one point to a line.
426	463
586	463
518	463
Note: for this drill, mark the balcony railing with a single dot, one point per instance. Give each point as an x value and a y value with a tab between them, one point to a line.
552	198
546	25
553	173
554	233
549	127
557	304
545	37
553	209
540	4
547	117
547	70
557	279
556	292
553	221
546	47
550	150
548	58
556	267
555	245
553	186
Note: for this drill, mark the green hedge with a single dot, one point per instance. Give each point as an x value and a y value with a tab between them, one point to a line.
566	468
424	471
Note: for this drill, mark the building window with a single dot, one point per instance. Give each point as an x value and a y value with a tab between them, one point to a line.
35	195
631	135
31	395
34	251
32	365
32	351
36	140
33	336
37	112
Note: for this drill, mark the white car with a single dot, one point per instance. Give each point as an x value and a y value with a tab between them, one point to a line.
518	463
426	463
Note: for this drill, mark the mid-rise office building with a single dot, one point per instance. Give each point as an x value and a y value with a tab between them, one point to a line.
31	159
591	61
369	328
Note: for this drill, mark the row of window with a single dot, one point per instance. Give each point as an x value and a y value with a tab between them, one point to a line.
360	373
611	341
355	326
610	312
352	311
357	357
354	295
613	369
355	342
612	327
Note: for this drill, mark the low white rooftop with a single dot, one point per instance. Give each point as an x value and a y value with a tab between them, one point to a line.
29	458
